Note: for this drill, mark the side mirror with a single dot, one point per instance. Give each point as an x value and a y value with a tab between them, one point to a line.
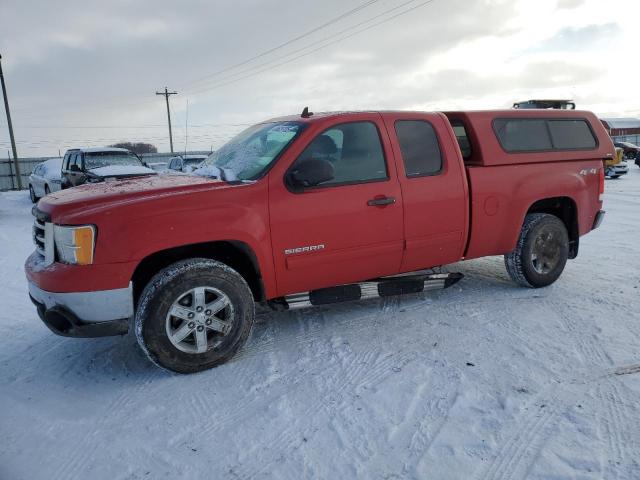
74	168
310	173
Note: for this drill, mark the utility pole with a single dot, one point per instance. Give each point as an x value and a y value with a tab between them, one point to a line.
166	94
13	140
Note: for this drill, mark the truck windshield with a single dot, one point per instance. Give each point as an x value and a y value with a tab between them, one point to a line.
249	154
104	159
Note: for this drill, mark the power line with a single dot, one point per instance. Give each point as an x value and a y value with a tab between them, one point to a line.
286	43
312	44
218	85
282	45
191	125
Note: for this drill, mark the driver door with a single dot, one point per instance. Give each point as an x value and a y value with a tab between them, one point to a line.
344	230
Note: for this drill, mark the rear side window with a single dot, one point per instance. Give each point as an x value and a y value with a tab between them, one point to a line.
571	135
518	135
533	135
463	139
419	145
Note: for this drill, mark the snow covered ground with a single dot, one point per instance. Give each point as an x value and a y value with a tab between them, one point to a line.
482	381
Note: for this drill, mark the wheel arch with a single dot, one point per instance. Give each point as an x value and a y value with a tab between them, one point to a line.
236	254
565	209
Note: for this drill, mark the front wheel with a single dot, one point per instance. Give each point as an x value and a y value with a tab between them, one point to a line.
541	253
194	315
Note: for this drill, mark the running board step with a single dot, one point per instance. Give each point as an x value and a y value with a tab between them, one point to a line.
383	287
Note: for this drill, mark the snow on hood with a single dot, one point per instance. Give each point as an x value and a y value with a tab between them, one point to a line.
125	190
213	171
117	170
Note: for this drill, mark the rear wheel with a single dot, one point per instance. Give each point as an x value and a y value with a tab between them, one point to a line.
194	315
32	194
46	190
541	252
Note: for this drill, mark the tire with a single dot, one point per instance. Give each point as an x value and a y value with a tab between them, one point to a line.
541	253
176	289
32	194
47	191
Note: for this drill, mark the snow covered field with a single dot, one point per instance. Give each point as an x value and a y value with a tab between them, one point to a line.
482	381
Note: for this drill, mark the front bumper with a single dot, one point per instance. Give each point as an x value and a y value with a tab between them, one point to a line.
621	169
84	314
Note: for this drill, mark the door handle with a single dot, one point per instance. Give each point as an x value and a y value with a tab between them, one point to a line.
381	202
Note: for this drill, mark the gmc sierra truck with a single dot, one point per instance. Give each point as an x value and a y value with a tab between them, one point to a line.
311	209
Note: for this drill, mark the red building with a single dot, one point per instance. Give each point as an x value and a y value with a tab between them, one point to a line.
623	129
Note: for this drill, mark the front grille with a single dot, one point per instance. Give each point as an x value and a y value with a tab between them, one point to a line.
39	232
43	239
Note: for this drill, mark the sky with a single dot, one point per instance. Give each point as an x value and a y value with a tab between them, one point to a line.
86	73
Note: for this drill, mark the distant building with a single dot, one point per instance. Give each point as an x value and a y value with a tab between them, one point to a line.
623	129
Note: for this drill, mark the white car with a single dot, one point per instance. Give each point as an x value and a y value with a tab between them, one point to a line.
185	163
617	170
45	178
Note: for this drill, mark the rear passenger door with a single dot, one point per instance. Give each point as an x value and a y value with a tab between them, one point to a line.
434	189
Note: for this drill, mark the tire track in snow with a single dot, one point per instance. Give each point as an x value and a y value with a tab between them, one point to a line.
615	420
89	443
248	404
316	331
528	435
361	371
289	438
516	455
433	417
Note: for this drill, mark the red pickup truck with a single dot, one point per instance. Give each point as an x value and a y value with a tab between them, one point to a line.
310	209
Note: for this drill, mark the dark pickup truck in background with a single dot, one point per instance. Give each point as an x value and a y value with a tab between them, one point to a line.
309	209
92	165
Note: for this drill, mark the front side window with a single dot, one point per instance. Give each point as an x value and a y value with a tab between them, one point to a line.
93	160
249	154
355	151
419	145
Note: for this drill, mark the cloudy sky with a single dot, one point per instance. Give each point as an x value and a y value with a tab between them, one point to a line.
85	73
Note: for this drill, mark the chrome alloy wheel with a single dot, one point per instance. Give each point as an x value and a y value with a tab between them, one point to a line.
199	319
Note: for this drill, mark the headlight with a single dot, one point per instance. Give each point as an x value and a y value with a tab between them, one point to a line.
75	245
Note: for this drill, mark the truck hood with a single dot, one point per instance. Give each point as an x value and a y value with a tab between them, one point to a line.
93	197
